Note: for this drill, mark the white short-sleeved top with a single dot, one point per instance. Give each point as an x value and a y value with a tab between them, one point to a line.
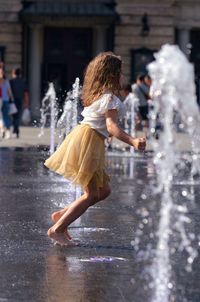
94	115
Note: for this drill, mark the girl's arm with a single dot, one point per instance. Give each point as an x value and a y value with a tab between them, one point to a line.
115	130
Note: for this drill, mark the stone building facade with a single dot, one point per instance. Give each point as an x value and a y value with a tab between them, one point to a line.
145	25
54	40
10	34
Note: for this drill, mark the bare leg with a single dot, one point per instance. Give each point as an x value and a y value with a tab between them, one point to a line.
58	214
75	210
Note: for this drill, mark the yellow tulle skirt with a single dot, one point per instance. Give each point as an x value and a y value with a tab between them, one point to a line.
81	157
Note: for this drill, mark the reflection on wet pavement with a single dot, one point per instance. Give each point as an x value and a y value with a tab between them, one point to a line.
111	261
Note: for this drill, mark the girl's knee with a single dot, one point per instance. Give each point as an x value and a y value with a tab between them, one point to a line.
105	192
98	195
92	198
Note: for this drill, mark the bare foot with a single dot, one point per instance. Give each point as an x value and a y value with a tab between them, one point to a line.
62	238
67	235
57	215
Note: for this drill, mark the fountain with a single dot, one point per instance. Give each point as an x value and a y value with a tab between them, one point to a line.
49	109
173	89
131	103
68	119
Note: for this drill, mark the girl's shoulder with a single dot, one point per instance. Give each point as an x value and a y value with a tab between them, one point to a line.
108	101
109	98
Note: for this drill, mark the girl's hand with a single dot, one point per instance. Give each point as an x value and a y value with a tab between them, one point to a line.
139	143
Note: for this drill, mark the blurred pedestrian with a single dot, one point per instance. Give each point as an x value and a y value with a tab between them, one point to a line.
147	82
131	105
20	93
1	118
141	91
7	97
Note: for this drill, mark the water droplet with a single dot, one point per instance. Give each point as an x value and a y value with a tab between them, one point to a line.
182	209
157	93
151	285
191	236
194	157
170	285
145	221
188	269
159	155
184	193
135	242
132	281
172	250
162	81
161	247
143	212
181	126
190	119
190	260
143	196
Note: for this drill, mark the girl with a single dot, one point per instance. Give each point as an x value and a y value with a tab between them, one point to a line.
81	155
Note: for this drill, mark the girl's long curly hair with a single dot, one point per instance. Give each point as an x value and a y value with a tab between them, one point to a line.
102	74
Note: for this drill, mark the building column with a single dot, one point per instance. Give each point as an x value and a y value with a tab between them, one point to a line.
184	40
35	51
99	34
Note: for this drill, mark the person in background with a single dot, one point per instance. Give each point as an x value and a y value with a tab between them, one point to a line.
1	120
20	93
148	82
131	105
141	91
7	96
1	104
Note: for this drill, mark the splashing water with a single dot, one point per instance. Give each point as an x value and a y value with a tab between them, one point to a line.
49	109
68	119
131	105
172	89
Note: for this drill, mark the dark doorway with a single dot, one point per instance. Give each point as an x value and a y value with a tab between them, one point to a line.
67	52
2	52
140	58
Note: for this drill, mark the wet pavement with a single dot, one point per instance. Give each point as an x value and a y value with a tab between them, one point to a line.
115	237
